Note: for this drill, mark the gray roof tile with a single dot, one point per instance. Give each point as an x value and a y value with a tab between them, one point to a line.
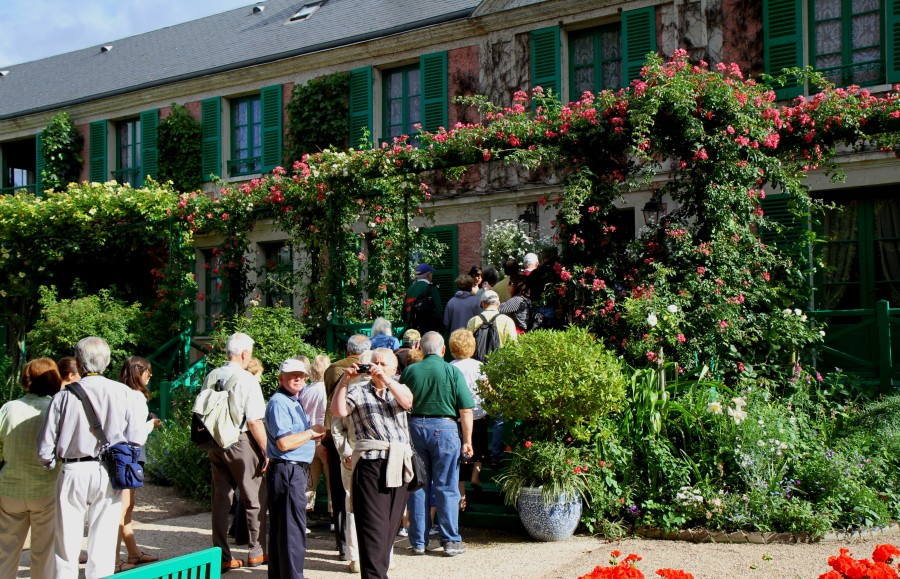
212	44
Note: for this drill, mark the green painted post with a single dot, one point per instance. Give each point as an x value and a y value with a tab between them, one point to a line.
885	360
165	388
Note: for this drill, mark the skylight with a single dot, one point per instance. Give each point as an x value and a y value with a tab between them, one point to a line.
306	11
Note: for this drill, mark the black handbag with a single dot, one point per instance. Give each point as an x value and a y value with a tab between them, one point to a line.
420	477
121	459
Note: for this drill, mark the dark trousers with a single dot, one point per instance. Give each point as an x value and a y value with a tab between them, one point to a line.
287	519
338	512
378	511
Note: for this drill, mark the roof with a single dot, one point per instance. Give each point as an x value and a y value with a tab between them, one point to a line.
217	43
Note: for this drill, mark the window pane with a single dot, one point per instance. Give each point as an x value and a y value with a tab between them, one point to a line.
612	74
257	111
414	110
240	142
412	83
584	80
395	112
240	116
828	9
866	32
395	85
828	38
257	140
611	44
583	50
865	6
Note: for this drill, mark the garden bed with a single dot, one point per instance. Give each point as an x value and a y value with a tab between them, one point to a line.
700	535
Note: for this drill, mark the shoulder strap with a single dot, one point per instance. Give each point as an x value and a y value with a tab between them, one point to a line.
229	384
486	321
76	389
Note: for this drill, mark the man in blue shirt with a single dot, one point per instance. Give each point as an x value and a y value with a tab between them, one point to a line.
290	447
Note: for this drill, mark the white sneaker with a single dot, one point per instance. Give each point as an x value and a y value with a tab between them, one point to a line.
354	567
403	532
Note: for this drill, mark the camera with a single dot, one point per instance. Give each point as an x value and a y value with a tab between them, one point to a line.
363	368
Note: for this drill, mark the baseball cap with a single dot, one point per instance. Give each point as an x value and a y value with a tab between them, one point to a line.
423	268
490	296
294	365
411	336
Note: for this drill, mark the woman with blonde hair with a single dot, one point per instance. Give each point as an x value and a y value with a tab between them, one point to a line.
27	489
136	373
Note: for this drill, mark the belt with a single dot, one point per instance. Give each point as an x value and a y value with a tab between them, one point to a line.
294	462
453	418
79	459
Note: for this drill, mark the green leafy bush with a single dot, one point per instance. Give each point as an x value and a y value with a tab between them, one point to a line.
318	116
559	383
61	145
63	322
278	335
179	150
510	240
171	456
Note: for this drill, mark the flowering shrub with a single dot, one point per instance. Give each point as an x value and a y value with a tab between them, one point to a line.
509	240
557	468
625	569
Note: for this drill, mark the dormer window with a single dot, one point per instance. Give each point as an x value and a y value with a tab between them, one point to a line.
306	11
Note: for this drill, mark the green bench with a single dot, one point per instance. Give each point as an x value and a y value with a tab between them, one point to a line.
206	564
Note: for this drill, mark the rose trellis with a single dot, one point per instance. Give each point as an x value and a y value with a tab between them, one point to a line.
704	137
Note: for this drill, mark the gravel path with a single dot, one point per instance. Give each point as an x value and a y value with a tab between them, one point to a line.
167	525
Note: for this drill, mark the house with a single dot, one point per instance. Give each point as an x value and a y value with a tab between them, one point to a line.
407	59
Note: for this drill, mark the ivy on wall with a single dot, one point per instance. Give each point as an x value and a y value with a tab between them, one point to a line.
61	144
179	146
318	116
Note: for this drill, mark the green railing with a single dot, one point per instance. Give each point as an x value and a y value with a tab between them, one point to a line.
130	175
862	342
244	166
338	331
206	564
11	190
171	365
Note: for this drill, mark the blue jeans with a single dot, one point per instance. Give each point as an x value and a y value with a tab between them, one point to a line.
437	442
497	448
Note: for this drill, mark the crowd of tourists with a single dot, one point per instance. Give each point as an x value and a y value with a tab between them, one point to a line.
395	429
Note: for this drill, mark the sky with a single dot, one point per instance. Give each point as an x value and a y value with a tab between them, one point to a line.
33	29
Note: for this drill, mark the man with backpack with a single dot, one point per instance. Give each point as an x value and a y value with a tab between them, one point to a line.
492	329
422	308
242	464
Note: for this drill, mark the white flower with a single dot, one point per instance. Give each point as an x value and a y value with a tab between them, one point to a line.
739	402
651	320
786	311
254	303
803	318
760	443
738	415
798	312
672	308
714	408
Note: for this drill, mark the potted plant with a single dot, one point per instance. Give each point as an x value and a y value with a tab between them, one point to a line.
546	482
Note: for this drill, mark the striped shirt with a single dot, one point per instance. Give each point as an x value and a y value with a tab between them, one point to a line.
376	417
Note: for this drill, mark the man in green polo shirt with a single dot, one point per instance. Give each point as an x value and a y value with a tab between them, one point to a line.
440	395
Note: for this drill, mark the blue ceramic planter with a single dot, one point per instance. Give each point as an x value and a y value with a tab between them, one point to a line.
556	522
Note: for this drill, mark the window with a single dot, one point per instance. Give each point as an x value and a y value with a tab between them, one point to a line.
213	298
246	136
306	11
128	152
21	163
847	41
595	60
279	275
402	101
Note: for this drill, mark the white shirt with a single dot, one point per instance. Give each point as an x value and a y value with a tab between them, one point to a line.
471	369
66	432
246	394
312	400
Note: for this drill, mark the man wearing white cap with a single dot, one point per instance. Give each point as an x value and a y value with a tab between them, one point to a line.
290	446
506	327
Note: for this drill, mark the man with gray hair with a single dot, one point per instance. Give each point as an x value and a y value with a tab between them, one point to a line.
83	486
356	345
440	396
242	465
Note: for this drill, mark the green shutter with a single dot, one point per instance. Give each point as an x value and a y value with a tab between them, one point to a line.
360	106
39	162
98	171
270	102
638	39
446	267
211	137
783	41
892	41
433	68
149	150
545	65
791	237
